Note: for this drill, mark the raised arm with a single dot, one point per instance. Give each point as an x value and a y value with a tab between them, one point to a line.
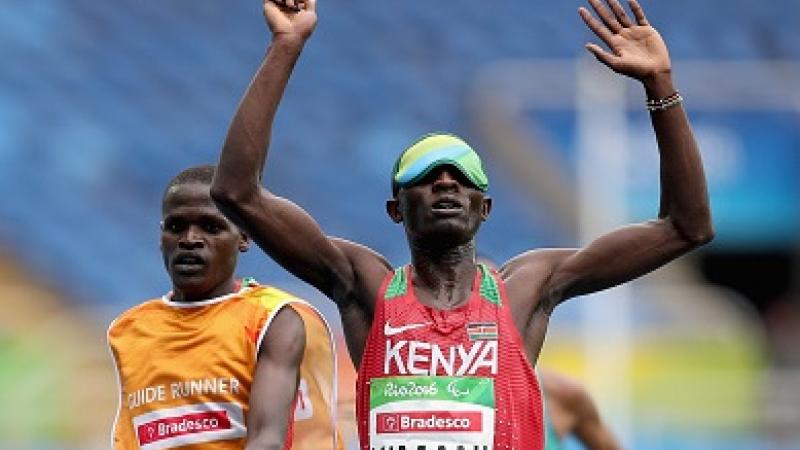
275	381
281	228
684	219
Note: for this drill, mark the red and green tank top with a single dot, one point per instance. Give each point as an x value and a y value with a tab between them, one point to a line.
457	379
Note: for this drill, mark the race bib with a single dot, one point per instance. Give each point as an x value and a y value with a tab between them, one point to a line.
431	413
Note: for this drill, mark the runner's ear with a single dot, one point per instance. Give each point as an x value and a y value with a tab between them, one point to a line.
486	207
393	210
244	242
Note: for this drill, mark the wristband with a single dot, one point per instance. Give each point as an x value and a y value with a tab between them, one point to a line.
664	103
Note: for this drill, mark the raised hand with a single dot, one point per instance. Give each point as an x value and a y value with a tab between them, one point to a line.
636	49
291	17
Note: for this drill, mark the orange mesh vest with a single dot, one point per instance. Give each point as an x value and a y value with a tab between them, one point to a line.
185	372
455	379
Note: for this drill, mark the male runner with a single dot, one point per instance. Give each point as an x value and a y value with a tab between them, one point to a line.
444	346
219	362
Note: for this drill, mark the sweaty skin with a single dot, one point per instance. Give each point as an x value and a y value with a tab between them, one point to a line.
442	244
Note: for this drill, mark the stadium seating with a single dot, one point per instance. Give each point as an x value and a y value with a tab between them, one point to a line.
103	101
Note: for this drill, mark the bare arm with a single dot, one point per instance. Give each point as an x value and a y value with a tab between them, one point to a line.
684	219
275	381
593	433
589	428
282	229
573	412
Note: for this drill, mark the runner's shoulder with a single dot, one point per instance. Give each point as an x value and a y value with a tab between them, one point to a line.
360	253
369	270
134	313
538	263
266	296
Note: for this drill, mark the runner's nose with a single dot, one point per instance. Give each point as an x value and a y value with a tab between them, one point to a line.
190	239
445	181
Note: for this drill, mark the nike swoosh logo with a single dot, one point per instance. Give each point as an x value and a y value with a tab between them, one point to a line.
389	330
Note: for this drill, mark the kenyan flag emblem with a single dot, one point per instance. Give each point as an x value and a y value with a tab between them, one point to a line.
482	331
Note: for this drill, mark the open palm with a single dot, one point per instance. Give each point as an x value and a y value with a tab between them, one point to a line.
636	49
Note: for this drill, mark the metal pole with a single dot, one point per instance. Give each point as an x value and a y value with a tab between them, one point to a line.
602	129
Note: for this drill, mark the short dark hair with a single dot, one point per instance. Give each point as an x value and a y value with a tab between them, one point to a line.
198	174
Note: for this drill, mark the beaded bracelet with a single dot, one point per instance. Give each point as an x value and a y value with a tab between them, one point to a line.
665	103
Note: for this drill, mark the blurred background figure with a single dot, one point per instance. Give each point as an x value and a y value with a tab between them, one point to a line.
101	102
571	412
